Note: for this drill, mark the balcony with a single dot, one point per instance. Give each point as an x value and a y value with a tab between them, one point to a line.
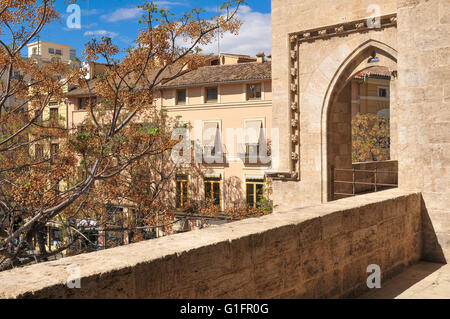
254	154
213	155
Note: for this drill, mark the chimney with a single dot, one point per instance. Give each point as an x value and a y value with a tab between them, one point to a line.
260	57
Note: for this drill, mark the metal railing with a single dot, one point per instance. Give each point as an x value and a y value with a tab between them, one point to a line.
377	186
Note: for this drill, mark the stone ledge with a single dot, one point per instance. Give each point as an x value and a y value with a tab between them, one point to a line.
196	258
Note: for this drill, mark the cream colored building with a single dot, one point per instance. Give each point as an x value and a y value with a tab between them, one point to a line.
48	51
45	52
233	92
42	53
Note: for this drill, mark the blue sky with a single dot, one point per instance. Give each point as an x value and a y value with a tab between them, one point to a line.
118	19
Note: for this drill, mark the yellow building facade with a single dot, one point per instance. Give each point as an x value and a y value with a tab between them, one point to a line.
371	93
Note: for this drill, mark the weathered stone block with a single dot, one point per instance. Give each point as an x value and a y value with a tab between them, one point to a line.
364	241
310	231
371	215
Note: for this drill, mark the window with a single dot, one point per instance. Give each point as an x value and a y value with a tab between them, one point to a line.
251	150
53	103
39	117
85	103
58	52
115	219
17	75
51	50
212	190
181	191
211	94
212	139
254	137
254	92
34	51
383	92
38	151
254	192
54	114
115	214
181	97
54	148
55	237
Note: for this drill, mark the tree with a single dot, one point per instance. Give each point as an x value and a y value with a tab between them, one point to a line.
104	160
370	138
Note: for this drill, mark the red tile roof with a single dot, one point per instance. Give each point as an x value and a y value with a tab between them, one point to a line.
242	72
206	75
375	72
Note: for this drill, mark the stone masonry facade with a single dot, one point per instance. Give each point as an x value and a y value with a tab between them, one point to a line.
317	49
315	252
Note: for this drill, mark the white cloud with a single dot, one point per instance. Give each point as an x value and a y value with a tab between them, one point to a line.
133	13
122	14
102	33
167	4
84	26
254	35
91	12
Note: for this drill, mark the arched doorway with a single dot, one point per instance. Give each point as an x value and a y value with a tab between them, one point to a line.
372	66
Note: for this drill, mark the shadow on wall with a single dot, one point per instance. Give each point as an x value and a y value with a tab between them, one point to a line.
432	250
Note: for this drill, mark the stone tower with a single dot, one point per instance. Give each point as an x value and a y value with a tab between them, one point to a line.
318	47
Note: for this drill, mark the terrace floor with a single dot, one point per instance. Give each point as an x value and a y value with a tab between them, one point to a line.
422	281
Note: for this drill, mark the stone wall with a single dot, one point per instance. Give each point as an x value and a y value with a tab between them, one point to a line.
417	47
424	113
292	16
315	252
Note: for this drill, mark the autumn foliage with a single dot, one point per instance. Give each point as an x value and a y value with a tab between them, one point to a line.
120	156
370	138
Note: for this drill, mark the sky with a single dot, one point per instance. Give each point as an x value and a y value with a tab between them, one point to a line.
119	20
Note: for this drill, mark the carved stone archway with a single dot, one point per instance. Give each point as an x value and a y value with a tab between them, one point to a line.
320	62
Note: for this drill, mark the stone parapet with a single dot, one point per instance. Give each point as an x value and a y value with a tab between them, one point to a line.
315	252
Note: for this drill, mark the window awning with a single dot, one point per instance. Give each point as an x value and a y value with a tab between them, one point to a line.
211	134
254	130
